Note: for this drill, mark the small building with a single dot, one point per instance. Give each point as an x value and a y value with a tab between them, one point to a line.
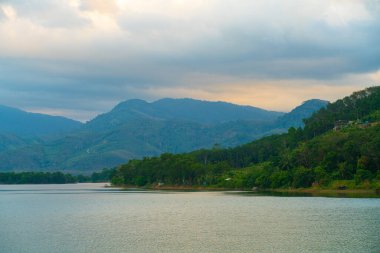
340	124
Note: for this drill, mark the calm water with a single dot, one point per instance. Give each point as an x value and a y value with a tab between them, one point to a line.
89	218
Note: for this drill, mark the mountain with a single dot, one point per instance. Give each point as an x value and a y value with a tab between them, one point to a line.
19	129
26	124
320	154
304	111
184	110
135	129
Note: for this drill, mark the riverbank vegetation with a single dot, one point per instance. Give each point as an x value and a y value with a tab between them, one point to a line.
339	147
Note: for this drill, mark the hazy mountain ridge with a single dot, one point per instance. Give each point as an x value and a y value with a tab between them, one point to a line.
27	124
135	128
186	109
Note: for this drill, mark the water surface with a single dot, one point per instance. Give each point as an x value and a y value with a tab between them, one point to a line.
90	218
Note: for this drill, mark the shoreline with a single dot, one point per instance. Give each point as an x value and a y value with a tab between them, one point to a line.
374	193
279	192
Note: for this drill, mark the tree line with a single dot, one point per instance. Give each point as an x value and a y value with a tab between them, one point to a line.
54	177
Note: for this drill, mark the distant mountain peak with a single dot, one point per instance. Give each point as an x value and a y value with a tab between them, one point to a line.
306	109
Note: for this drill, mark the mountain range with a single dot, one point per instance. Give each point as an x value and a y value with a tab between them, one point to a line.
134	129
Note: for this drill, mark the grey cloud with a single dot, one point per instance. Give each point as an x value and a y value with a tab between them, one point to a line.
154	23
37	88
309	50
337	53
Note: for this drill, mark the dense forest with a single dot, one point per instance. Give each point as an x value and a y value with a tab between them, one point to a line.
339	142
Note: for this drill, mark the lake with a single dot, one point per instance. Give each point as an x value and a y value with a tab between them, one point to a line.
91	218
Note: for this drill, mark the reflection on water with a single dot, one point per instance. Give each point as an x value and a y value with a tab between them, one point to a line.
91	218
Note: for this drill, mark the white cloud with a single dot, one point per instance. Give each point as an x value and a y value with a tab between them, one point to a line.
7	11
342	13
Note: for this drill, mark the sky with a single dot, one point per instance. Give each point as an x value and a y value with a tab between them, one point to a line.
79	58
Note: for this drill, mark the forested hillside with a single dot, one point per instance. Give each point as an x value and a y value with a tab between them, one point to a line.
339	142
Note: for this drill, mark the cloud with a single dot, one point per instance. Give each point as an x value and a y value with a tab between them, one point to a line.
86	55
344	12
2	14
101	6
263	38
